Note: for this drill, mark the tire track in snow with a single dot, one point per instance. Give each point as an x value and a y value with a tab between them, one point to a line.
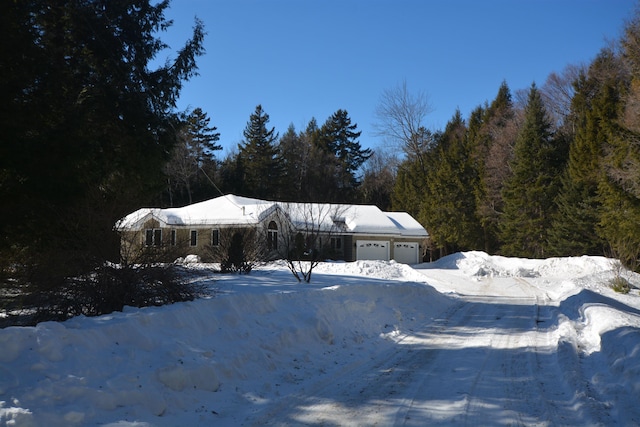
484	372
486	360
507	367
382	375
529	387
404	414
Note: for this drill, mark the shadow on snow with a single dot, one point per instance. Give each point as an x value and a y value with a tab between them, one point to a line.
471	372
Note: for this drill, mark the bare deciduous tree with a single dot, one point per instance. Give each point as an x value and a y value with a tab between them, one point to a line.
306	235
631	113
400	118
195	147
379	179
558	92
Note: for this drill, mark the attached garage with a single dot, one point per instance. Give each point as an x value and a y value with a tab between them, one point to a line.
406	252
372	250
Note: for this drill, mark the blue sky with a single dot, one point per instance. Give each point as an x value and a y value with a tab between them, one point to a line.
301	59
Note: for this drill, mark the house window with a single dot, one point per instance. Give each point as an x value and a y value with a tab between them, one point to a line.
272	236
312	243
194	238
173	237
336	243
153	237
215	237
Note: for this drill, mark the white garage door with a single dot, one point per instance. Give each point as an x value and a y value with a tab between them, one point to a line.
372	249
406	252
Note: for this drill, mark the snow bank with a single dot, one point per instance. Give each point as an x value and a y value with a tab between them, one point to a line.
480	264
386	270
156	361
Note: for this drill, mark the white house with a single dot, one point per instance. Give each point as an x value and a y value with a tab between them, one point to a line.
353	232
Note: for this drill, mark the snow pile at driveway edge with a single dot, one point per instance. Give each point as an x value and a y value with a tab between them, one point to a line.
135	363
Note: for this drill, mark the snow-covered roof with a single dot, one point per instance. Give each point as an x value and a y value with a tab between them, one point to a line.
236	210
224	210
406	223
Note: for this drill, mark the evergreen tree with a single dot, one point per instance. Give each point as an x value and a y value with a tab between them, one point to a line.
261	162
339	140
412	175
449	207
87	125
289	147
192	156
593	111
318	183
491	135
204	137
295	151
408	192
620	210
619	188
529	195
230	175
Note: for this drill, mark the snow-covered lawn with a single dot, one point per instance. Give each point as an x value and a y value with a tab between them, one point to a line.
469	340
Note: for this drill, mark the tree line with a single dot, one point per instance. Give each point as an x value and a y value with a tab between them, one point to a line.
553	171
547	171
320	164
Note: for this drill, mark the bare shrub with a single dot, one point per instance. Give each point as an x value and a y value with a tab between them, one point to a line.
620	285
134	253
307	232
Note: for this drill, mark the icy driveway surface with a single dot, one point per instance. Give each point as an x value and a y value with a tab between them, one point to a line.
489	360
469	340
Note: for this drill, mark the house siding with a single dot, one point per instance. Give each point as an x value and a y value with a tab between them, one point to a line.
133	243
349	252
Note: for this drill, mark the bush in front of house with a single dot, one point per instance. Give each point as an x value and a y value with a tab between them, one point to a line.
235	259
238	250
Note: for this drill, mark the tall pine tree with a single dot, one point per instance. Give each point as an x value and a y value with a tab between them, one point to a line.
192	156
449	209
87	124
408	192
261	162
492	133
296	153
619	188
593	111
412	176
529	195
339	139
